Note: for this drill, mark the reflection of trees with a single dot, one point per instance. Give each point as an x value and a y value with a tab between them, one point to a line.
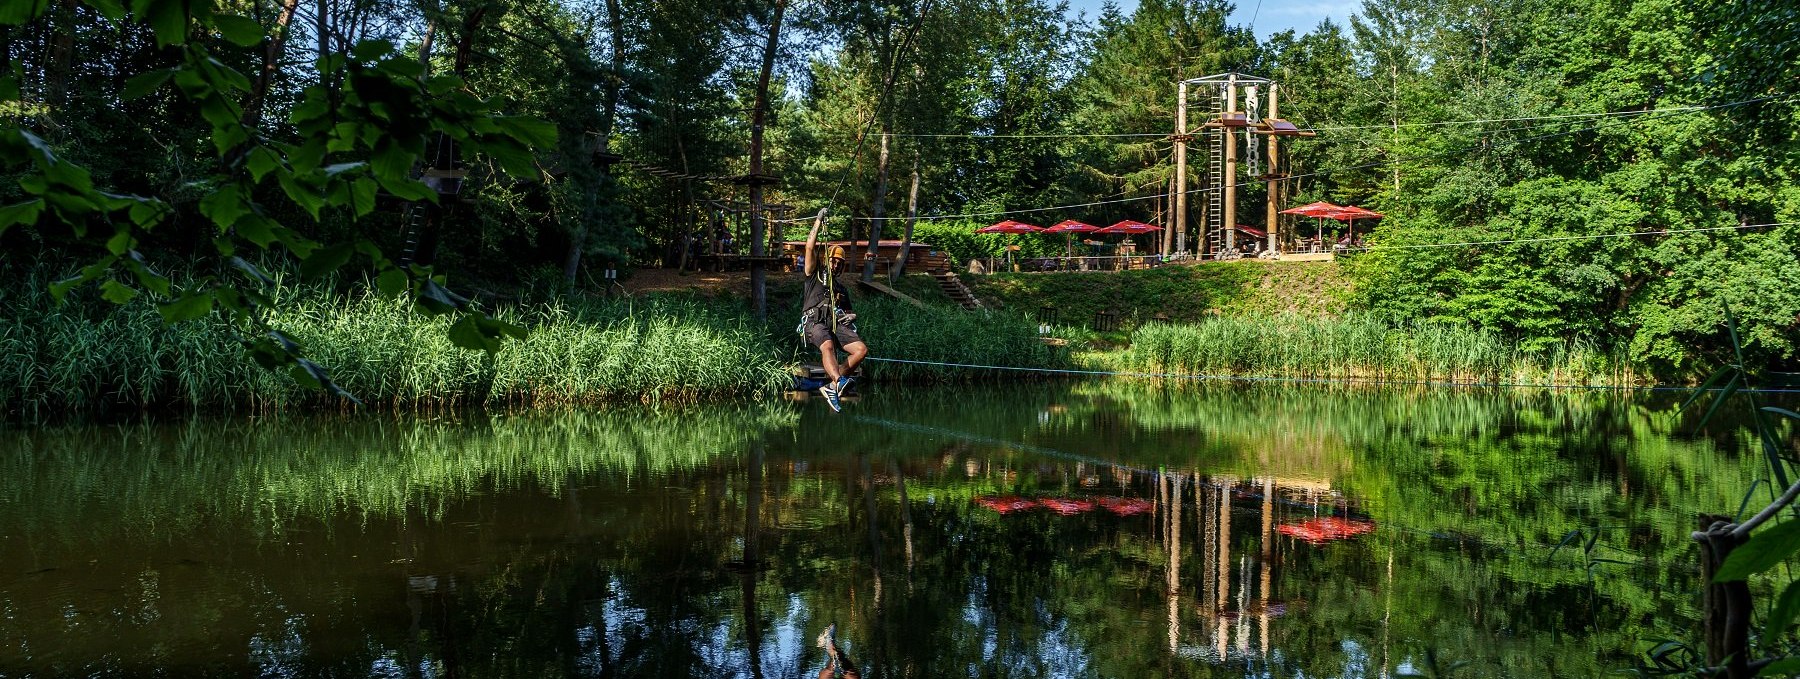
720	543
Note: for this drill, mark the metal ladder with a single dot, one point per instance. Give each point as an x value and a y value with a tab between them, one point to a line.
1217	137
412	225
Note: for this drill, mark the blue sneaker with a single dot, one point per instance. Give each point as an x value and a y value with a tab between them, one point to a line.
831	398
843	385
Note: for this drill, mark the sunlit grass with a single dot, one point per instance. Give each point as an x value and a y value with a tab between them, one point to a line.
1359	347
87	356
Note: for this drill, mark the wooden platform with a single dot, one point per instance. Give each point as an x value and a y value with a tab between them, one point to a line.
883	289
1307	257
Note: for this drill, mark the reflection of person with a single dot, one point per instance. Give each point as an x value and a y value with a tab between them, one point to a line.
825	315
838	663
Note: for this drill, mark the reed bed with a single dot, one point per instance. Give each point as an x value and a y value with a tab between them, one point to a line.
950	335
1363	348
89	356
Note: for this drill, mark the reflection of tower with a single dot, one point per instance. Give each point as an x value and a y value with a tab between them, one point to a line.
1172	490
1267	544
1223	583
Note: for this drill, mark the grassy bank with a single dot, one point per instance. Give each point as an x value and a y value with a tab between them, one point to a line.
1181	293
1359	347
89	356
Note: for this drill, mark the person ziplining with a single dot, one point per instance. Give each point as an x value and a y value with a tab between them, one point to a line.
826	318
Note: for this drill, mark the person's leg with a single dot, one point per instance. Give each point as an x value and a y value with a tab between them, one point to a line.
857	350
828	359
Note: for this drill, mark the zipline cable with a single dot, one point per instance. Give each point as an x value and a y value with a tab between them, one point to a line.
1309	380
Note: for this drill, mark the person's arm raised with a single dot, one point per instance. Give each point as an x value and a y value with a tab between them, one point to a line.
812	242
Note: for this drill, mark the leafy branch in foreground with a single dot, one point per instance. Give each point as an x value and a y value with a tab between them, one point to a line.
1730	553
358	132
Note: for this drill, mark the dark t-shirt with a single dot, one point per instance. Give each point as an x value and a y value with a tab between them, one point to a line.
814	296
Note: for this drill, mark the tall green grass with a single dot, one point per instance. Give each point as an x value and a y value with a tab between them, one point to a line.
944	334
1361	347
88	356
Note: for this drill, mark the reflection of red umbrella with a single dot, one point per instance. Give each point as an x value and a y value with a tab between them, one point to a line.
1010	226
1325	529
1126	506
1066	507
1005	504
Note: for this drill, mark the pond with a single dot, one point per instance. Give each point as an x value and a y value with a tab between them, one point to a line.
1072	529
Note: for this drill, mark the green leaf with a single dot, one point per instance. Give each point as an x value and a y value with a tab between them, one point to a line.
111	9
117	293
224	206
370	50
528	130
326	260
1786	606
252	271
391	161
16	12
261	162
1784	412
187	307
391	282
467	333
20	213
168	18
60	289
241	30
143	84
1785	667
362	196
120	242
258	229
498	328
438	299
1766	549
514	158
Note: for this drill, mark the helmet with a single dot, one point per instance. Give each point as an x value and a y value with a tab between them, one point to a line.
835	252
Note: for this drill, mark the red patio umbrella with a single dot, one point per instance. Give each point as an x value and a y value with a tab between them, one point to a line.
1130	228
1071	227
1009	226
1350	214
1318	211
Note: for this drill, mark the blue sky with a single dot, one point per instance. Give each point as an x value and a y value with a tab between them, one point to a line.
1273	16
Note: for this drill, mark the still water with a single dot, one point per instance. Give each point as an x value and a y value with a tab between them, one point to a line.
1065	530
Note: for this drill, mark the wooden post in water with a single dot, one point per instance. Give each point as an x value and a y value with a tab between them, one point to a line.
1724	605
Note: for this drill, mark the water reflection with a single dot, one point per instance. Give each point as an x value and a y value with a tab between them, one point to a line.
1212	531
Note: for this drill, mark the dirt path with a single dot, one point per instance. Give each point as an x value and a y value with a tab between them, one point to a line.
704	282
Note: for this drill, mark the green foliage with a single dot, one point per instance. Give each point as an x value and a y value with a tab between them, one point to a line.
1362	347
81	357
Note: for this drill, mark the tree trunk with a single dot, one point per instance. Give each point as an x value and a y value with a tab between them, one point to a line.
271	63
62	54
615	26
879	209
912	216
758	113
